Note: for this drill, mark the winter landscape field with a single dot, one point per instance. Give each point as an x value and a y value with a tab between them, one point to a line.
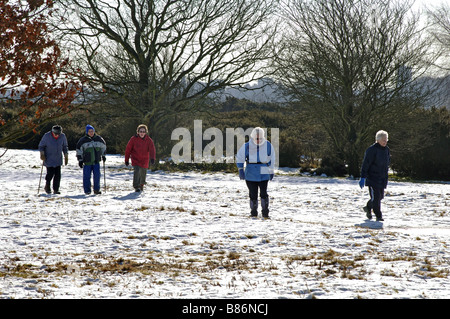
188	235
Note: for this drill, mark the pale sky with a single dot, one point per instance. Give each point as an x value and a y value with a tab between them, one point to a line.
419	4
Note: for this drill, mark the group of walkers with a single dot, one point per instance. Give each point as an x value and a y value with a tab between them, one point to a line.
254	160
90	150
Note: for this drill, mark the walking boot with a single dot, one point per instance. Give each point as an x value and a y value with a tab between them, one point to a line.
254	208
47	187
368	212
265	207
368	209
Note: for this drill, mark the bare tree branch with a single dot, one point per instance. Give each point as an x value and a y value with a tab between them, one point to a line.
165	57
439	18
353	65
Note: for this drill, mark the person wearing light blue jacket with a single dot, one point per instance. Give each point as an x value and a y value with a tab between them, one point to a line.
51	147
258	155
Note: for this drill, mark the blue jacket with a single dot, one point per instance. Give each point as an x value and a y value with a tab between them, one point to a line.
260	160
53	149
375	166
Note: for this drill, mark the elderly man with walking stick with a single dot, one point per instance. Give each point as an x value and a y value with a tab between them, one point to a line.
51	147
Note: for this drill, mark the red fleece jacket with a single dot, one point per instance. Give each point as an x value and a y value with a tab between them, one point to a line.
141	150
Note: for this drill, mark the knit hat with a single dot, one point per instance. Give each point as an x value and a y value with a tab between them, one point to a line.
89	127
56	129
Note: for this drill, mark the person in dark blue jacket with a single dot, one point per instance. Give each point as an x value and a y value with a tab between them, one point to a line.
51	147
374	173
259	156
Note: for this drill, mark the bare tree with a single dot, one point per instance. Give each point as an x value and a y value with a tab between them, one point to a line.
163	58
439	18
351	64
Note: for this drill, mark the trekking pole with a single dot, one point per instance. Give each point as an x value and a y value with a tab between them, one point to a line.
42	168
104	176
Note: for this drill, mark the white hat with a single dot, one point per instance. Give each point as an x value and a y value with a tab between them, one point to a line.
258	132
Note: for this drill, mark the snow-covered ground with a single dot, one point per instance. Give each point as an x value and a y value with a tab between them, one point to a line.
189	236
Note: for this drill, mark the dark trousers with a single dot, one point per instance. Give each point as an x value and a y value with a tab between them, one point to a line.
253	193
253	189
376	195
53	173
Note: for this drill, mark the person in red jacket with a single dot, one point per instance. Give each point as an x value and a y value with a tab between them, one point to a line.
141	149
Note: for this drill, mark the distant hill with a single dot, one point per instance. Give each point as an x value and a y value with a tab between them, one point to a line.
267	90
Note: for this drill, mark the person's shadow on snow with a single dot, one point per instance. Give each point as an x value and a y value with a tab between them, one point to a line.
370	224
132	195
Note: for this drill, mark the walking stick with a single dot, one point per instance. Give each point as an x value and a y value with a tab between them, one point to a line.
104	176
42	168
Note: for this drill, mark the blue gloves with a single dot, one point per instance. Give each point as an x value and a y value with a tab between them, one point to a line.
362	182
